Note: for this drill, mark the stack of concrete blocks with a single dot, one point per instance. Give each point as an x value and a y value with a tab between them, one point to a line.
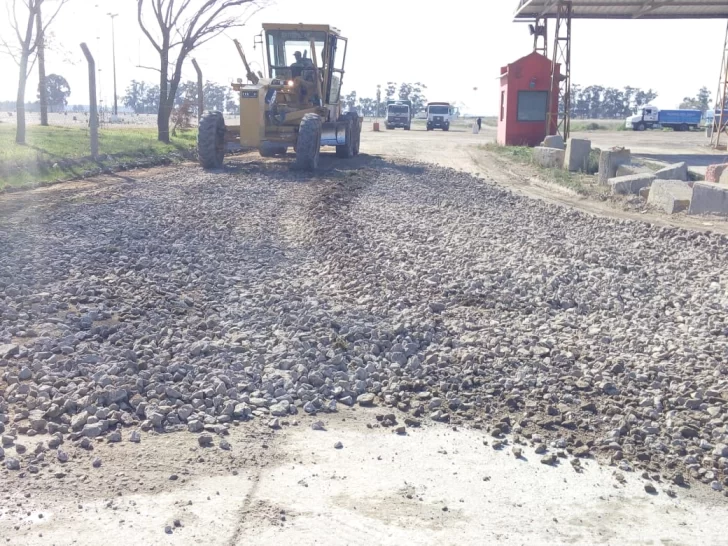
670	196
675	172
577	154
551	153
714	172
609	162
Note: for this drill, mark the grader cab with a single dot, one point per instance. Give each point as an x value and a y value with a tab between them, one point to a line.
298	105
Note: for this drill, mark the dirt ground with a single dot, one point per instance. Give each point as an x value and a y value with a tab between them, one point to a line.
439	484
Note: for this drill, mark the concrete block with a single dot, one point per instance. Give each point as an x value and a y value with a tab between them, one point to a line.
709	198
548	157
714	172
554	141
670	195
645	192
577	154
610	160
676	171
632	184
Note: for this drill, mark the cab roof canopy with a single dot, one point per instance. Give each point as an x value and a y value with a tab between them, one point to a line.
626	9
303	27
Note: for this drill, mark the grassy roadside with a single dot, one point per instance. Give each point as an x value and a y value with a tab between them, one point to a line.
581	183
62	153
588	126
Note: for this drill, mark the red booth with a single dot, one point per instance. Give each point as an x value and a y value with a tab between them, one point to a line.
524	99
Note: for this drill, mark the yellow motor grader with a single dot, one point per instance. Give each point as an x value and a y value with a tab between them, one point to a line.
298	105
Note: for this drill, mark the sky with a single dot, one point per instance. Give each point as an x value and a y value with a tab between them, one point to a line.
452	49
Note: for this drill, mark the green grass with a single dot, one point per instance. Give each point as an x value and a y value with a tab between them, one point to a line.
597	125
581	183
62	153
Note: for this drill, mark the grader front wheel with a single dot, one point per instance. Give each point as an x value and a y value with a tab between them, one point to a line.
308	147
211	140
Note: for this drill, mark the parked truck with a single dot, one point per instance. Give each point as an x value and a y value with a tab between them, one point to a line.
712	119
650	117
439	115
399	114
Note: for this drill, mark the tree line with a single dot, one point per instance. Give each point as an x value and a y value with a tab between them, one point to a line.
143	97
598	102
377	106
174	30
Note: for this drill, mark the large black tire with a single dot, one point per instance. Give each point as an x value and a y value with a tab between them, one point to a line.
446	128
308	146
346	151
406	127
268	149
211	140
640	127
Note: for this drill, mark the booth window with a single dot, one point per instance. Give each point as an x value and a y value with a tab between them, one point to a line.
503	105
532	105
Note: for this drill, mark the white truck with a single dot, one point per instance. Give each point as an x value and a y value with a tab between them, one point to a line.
439	115
399	114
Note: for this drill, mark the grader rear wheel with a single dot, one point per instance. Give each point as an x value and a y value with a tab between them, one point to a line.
345	151
211	140
308	146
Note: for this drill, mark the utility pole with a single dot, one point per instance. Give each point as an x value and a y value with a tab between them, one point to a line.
113	53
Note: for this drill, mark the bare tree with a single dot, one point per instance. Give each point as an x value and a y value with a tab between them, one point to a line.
29	35
42	87
181	29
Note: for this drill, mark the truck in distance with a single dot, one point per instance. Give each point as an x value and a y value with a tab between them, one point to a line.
399	114
439	115
650	117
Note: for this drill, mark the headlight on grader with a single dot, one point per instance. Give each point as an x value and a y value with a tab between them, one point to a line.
290	83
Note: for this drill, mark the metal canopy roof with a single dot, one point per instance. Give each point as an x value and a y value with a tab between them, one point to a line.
626	9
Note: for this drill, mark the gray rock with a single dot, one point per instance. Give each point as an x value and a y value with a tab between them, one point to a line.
366	399
135	436
280	409
11	463
205	440
195	426
338	445
8	349
93	431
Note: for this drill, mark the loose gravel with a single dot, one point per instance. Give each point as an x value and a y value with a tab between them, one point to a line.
192	300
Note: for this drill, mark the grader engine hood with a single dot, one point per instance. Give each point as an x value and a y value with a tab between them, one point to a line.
252	114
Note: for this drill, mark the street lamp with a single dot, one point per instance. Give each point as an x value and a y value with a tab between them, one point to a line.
113	53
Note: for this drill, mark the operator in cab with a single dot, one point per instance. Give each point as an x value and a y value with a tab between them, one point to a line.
297	66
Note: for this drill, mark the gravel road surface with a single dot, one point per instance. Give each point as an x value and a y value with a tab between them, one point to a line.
255	298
